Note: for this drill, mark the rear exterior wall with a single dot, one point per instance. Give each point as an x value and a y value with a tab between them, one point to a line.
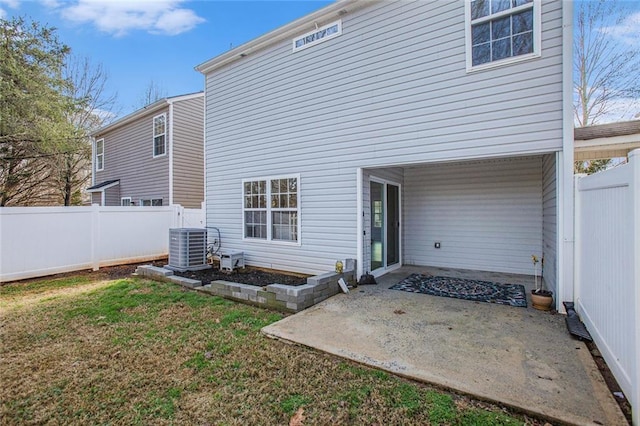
391	90
128	156
188	152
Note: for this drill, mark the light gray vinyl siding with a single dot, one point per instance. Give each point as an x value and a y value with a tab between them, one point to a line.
391	90
96	198
549	221
188	146
486	215
128	156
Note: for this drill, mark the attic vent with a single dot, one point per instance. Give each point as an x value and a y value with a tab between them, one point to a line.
187	249
318	35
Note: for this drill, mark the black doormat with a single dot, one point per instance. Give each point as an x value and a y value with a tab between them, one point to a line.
460	288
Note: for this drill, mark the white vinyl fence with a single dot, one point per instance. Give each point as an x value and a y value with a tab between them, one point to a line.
39	241
608	269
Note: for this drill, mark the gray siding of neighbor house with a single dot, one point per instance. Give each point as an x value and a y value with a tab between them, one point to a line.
549	221
128	156
487	215
391	90
188	156
96	198
112	196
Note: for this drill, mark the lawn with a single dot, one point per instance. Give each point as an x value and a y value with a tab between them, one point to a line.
133	351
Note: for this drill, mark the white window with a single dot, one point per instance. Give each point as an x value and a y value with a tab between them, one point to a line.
151	202
271	210
125	201
99	155
316	36
501	31
159	132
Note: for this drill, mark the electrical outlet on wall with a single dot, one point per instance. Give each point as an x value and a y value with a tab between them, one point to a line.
437	244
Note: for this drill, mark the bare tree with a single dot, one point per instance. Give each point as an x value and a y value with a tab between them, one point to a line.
92	107
605	69
152	93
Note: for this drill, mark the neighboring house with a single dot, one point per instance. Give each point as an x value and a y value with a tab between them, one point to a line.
398	133
152	157
606	140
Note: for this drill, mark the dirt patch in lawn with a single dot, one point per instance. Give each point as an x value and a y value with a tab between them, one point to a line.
249	275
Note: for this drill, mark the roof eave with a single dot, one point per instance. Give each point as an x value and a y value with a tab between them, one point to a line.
149	109
299	26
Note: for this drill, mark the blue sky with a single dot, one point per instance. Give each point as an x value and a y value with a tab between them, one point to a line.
140	41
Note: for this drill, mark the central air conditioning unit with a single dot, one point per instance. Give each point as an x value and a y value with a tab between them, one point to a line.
187	249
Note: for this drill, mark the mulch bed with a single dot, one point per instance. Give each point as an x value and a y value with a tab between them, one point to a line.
249	275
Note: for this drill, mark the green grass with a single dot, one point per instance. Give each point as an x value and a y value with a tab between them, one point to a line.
135	351
38	287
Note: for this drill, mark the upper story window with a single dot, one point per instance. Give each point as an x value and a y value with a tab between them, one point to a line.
99	155
159	135
271	209
316	36
502	31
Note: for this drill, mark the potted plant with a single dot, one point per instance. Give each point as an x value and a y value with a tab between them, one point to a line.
541	299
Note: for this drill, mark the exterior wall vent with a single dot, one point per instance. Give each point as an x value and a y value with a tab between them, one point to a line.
187	249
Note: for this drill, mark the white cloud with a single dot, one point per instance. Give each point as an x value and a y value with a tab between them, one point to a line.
12	4
120	17
627	31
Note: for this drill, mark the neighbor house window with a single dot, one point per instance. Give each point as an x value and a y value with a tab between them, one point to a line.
159	135
271	209
151	202
502	31
318	35
125	201
99	155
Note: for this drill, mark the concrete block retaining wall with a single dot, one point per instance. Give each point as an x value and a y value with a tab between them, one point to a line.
274	296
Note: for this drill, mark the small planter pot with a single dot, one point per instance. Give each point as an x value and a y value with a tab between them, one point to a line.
542	299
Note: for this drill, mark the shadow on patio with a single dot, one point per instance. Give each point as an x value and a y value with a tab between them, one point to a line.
516	356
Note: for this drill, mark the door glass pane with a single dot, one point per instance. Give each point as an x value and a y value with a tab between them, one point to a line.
393	225
377	225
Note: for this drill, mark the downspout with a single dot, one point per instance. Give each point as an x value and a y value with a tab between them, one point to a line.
566	248
170	153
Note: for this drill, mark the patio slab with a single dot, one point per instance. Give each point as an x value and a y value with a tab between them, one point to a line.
519	357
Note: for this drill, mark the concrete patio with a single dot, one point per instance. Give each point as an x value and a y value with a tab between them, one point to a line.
519	357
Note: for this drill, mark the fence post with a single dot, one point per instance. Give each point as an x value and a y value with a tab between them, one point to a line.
634	162
577	222
95	236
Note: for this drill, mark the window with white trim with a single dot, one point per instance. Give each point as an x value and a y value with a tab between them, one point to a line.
159	135
318	35
99	155
151	202
271	210
125	201
502	30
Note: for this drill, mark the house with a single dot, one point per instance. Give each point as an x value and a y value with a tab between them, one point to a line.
152	157
606	140
433	133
